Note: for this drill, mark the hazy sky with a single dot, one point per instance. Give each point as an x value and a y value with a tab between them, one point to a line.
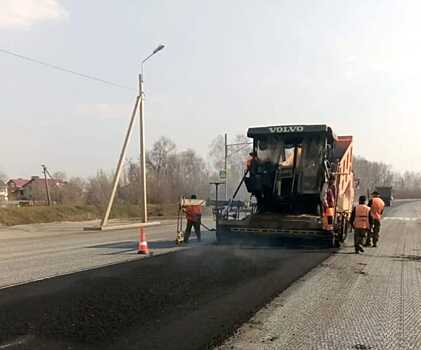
227	65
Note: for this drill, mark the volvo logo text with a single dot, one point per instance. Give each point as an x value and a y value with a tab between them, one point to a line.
286	129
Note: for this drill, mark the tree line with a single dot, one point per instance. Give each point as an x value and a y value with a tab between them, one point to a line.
172	173
370	174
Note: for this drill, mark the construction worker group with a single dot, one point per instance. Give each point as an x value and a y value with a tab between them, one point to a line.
366	219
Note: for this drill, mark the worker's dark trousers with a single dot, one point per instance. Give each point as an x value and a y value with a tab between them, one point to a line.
189	226
374	233
359	235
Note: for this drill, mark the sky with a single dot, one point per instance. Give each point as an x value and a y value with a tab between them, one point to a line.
227	66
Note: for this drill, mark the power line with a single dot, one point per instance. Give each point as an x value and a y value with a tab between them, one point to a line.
53	66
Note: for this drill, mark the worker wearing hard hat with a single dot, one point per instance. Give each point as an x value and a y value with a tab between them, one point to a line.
376	205
194	219
361	223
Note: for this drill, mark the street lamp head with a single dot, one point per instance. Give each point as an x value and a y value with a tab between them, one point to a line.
159	48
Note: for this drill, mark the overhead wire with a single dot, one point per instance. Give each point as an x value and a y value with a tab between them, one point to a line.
56	67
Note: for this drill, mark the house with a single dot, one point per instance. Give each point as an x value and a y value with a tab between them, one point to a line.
14	188
3	192
34	189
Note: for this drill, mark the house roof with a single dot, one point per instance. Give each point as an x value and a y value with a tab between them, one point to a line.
41	182
18	182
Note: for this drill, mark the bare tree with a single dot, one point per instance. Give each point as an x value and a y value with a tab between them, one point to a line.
72	192
98	189
237	156
59	175
158	157
372	174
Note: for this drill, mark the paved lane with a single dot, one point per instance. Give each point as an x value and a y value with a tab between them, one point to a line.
33	252
367	301
187	299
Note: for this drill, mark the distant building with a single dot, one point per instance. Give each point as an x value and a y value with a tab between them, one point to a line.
14	188
3	192
34	189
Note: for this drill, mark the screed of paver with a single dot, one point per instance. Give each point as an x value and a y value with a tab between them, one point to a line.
367	301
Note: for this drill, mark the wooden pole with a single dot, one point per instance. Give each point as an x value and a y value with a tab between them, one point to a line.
120	164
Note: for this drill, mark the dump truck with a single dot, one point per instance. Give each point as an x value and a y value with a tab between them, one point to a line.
294	169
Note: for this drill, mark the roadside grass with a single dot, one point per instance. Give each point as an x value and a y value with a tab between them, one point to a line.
57	213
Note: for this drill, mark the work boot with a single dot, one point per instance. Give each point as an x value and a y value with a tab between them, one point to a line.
357	251
361	249
375	245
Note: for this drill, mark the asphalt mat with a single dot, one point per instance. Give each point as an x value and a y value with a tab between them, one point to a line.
190	299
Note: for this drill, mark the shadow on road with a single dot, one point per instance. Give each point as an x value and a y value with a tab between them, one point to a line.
130	246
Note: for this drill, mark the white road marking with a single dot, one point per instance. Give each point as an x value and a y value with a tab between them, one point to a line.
400	218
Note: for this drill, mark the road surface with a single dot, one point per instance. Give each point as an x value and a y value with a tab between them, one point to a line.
196	298
33	252
368	301
187	299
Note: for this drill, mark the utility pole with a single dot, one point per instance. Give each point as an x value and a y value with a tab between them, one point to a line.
120	164
142	168
47	189
217	203
225	166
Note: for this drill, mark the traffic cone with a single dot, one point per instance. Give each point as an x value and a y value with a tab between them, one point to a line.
143	245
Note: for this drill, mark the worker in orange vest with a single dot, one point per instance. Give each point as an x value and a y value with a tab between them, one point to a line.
251	162
361	223
194	219
376	205
328	200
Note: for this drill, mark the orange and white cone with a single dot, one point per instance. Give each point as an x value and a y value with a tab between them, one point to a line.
143	245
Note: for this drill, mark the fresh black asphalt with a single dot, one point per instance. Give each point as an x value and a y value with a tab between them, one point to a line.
190	299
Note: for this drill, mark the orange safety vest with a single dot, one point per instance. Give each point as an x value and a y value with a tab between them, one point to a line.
328	216
377	207
194	213
361	217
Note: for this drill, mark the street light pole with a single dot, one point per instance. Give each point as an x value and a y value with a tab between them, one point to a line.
142	172
216	183
225	166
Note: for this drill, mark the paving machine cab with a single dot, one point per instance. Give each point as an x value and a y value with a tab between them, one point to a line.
293	163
